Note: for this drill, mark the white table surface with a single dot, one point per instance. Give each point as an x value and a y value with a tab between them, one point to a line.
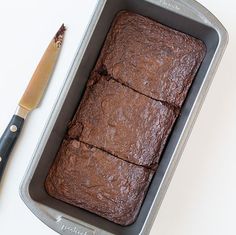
201	196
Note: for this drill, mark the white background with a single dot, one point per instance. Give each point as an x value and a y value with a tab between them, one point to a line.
201	197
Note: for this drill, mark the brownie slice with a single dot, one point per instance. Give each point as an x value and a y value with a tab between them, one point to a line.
151	58
98	182
122	122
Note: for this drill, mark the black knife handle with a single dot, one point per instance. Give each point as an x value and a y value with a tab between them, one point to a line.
8	140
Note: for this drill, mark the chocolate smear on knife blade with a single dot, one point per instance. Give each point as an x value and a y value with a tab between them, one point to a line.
58	38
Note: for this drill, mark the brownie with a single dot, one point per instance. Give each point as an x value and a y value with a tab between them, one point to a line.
151	58
122	122
98	182
132	99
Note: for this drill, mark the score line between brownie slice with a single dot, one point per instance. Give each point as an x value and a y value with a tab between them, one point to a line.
123	122
94	180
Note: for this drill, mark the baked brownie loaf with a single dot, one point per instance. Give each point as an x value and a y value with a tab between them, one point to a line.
151	58
98	182
122	122
131	102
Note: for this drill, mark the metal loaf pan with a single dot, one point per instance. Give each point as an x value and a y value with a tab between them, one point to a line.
187	16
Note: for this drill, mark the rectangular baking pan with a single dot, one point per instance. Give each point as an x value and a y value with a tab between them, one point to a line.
186	16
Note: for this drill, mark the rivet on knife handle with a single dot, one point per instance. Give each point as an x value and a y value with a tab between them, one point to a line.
31	97
8	140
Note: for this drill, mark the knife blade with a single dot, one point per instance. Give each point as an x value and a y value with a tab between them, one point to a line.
31	97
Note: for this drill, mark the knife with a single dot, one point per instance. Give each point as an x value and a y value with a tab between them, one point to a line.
31	97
